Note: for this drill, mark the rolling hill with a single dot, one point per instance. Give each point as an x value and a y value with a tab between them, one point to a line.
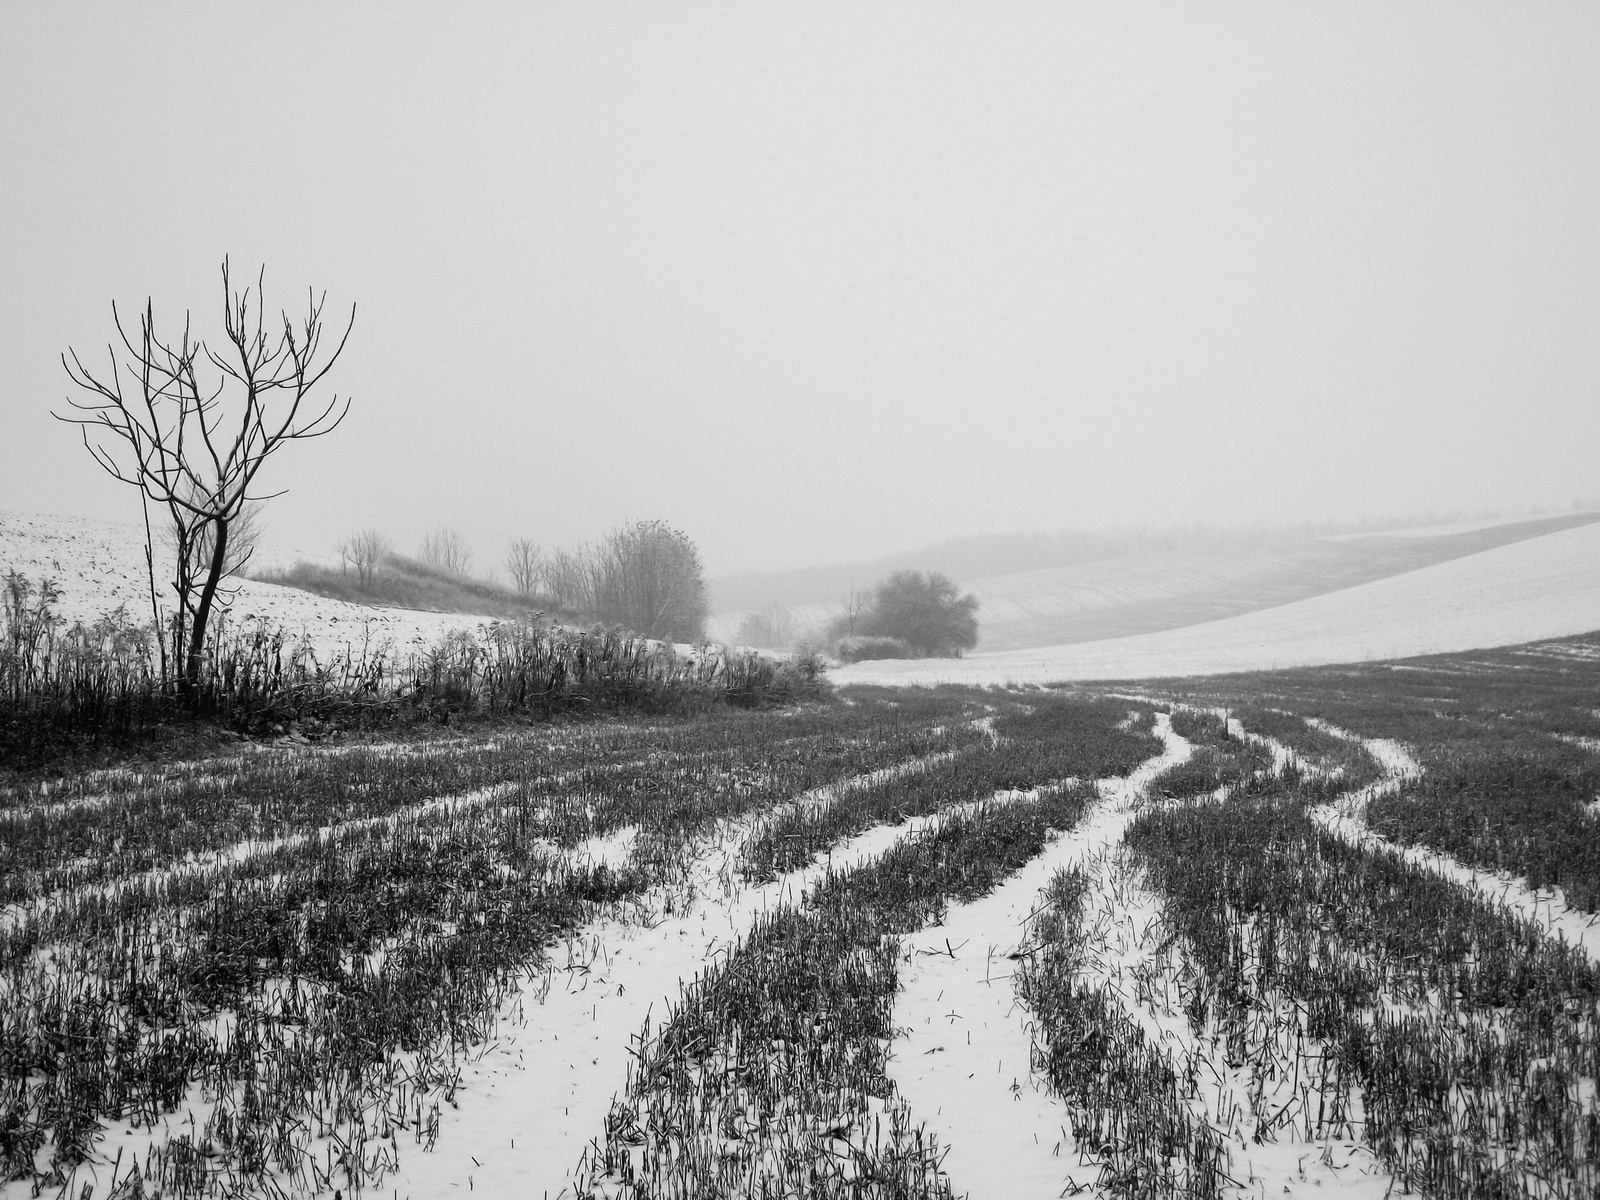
1145	584
1539	587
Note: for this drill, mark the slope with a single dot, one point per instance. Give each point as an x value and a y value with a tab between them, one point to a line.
1540	587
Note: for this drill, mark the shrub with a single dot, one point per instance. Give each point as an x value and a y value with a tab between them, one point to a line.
863	647
925	611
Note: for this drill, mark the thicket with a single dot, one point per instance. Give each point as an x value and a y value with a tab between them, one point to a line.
645	576
911	614
771	627
64	685
860	648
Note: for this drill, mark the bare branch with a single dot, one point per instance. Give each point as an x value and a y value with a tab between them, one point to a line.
147	439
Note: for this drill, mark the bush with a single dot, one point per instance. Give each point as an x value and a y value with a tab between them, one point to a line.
925	611
861	648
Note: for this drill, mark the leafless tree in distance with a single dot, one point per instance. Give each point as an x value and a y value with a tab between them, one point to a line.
194	445
569	578
524	564
365	551
770	627
852	607
447	549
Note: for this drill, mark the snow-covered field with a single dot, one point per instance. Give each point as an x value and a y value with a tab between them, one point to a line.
1544	587
537	1094
98	565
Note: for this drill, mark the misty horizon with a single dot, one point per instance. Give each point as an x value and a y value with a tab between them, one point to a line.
826	286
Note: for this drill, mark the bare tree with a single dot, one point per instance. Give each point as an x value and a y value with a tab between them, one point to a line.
770	627
196	447
524	564
853	606
569	577
364	551
447	550
244	535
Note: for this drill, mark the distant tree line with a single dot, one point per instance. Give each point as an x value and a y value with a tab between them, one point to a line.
645	576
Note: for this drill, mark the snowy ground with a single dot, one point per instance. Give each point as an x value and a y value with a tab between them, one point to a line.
98	565
1540	588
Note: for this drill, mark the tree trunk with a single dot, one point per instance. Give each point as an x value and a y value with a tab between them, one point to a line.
197	635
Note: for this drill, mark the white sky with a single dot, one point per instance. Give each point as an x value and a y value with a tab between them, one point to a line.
816	282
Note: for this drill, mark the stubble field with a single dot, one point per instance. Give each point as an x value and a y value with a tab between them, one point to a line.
1291	933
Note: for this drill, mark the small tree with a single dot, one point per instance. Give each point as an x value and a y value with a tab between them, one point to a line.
852	607
524	564
194	445
365	551
447	550
647	576
925	611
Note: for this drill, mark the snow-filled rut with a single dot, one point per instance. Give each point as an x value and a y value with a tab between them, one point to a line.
535	1099
964	1062
1346	819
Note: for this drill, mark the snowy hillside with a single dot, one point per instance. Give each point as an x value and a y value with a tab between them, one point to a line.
1543	587
1070	593
98	565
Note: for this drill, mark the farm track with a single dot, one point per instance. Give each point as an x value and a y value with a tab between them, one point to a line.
1346	818
626	973
592	856
1499	1064
964	1059
607	856
1125	996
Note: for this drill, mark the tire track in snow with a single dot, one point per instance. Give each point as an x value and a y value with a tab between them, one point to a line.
1346	818
534	1100
964	1062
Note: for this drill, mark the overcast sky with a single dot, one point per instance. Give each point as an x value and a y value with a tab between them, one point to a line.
816	282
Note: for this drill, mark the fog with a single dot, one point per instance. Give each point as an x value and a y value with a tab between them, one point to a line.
818	283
